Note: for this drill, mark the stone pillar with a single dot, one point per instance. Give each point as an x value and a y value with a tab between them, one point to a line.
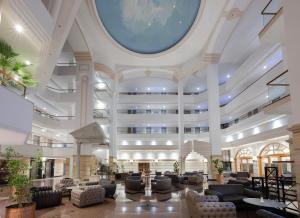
78	160
85	96
114	129
292	155
214	119
292	33
180	125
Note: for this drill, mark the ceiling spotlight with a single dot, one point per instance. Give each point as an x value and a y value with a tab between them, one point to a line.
57	135
27	62
44	130
164	106
267	97
164	88
148	89
199	106
228	76
265	67
230	117
229	96
44	108
148	106
19	28
136	89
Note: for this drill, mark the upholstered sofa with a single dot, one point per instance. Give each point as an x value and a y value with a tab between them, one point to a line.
134	185
208	206
45	197
110	187
63	184
87	195
162	185
233	193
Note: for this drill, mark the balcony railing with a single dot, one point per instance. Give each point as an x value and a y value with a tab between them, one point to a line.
52	145
43	113
148	93
147	130
61	90
13	84
271	10
195	130
101	113
148	111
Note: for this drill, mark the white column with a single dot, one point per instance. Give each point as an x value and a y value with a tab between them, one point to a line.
292	32
114	133
78	160
214	110
85	89
292	37
180	123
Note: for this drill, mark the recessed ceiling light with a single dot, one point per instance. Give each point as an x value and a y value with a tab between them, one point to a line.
164	88
267	96
199	106
57	135
44	130
148	106
136	89
229	96
228	76
148	89
19	28
164	106
265	67
27	62
230	117
44	108
198	88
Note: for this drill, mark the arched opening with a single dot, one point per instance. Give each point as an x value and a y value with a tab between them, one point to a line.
244	161
196	162
275	155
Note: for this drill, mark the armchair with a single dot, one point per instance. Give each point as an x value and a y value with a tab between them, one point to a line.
63	184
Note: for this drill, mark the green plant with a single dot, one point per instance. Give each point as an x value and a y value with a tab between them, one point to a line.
176	167
12	68
18	179
218	166
37	165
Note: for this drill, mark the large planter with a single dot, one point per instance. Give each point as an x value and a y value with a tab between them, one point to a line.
27	211
220	178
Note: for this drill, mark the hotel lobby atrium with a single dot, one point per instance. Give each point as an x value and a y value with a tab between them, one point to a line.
149	108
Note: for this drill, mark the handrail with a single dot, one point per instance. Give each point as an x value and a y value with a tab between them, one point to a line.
265	8
247	87
148	93
269	83
14	80
62	90
46	114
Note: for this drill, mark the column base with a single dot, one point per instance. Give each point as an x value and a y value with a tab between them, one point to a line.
295	129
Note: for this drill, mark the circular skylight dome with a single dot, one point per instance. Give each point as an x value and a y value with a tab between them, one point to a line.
147	26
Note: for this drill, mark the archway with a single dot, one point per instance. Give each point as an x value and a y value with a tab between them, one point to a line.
196	156
275	155
244	160
196	162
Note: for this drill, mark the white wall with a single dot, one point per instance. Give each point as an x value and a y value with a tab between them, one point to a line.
15	118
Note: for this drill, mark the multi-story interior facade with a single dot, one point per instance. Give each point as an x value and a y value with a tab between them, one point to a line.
194	82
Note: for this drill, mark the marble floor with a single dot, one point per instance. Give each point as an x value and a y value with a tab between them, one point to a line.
121	207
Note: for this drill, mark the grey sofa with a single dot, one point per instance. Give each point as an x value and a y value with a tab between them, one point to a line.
63	184
162	185
134	186
110	187
87	195
233	193
208	206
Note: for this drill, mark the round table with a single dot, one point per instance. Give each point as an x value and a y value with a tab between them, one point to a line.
265	203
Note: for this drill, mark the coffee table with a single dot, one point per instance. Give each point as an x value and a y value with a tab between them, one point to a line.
264	203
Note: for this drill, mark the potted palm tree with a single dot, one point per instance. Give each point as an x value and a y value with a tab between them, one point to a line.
13	72
20	187
219	168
